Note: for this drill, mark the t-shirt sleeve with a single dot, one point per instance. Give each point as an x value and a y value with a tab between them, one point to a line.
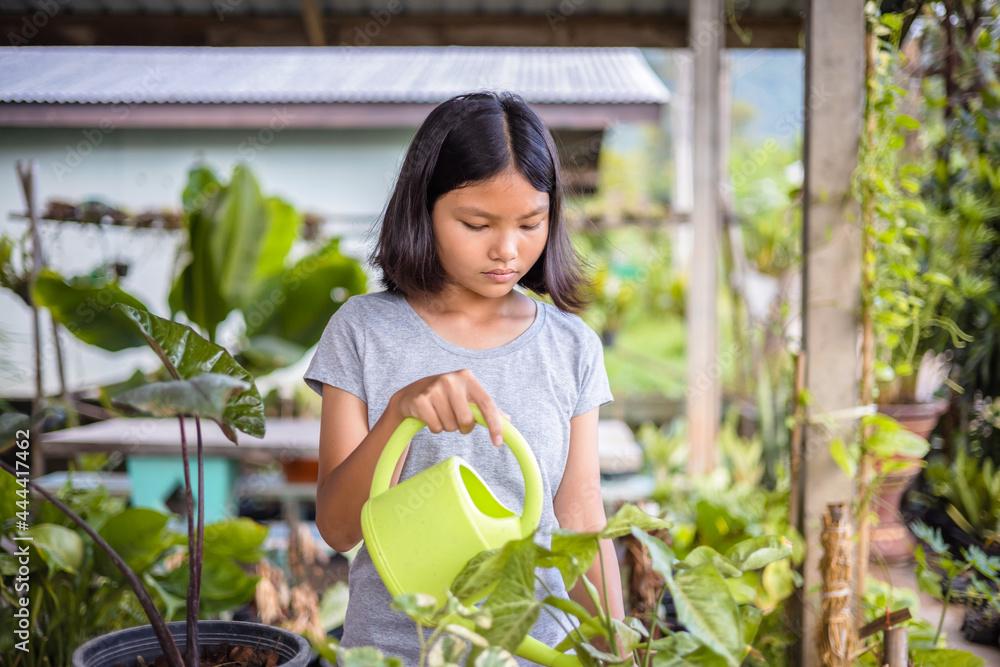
339	357
595	390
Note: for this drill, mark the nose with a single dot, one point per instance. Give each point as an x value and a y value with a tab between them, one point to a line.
504	246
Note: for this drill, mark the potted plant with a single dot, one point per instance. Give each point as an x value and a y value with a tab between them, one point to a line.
719	623
207	383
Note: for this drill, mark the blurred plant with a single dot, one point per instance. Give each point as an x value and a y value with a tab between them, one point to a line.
938	572
238	257
80	592
969	489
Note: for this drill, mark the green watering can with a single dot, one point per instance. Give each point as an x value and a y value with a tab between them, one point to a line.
421	532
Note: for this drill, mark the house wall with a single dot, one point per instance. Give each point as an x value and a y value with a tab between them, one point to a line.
347	181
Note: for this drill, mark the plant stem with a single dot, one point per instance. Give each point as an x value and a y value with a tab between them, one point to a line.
612	639
192	609
652	627
944	608
170	650
200	544
572	629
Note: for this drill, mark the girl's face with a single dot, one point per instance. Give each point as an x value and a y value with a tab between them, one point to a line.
489	234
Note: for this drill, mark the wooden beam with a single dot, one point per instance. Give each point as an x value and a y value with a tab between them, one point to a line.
385	28
704	395
312	18
831	282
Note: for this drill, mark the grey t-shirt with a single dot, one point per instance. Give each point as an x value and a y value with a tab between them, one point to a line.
376	344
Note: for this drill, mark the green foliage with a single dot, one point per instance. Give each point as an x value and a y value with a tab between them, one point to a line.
75	591
238	257
969	490
189	355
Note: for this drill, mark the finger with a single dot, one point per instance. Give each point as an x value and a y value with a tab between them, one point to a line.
491	413
445	412
425	412
466	420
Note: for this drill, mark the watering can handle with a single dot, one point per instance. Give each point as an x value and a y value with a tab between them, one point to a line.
518	445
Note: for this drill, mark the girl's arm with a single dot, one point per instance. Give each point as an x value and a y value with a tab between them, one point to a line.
578	506
348	451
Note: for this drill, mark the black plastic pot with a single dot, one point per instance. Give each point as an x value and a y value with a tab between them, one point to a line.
123	646
980	625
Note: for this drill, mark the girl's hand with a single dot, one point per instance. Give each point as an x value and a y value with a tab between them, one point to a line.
442	402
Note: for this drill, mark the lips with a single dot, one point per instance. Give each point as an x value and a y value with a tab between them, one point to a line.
501	272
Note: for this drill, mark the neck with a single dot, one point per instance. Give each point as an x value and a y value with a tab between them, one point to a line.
454	299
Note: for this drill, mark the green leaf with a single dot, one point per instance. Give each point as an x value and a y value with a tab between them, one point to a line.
705	554
181	348
446	651
364	656
333	606
240	539
750	617
418	606
756	552
661	556
60	547
605	658
907	122
944	657
282	227
82	306
495	656
589	624
840	454
174	604
629	517
513	604
205	395
707	609
297	304
224	584
932	536
479	575
139	536
573	553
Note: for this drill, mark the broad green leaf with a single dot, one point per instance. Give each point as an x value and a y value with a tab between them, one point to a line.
174	604
202	184
297	304
139	536
283	223
944	657
573	553
513	604
205	395
704	554
82	307
907	122
707	609
630	516
265	354
181	348
224	584
932	536
240	539
606	658
479	575
60	547
750	617
627	635
756	552
661	556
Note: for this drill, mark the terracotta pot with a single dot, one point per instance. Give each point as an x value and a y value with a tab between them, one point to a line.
891	540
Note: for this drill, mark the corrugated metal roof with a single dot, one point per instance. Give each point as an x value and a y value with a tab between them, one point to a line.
113	75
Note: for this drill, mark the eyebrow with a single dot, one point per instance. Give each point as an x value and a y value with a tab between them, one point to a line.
470	210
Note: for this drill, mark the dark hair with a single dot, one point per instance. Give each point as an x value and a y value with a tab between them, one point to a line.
469	139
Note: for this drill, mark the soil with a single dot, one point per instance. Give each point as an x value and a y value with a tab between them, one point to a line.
224	654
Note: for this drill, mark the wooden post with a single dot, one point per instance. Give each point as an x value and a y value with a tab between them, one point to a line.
707	32
895	647
834	96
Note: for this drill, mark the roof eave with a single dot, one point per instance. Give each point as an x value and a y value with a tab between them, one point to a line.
281	116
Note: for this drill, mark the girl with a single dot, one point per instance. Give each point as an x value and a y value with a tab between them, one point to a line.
475	211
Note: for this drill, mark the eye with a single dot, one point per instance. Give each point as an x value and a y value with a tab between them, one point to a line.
475	228
531	227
